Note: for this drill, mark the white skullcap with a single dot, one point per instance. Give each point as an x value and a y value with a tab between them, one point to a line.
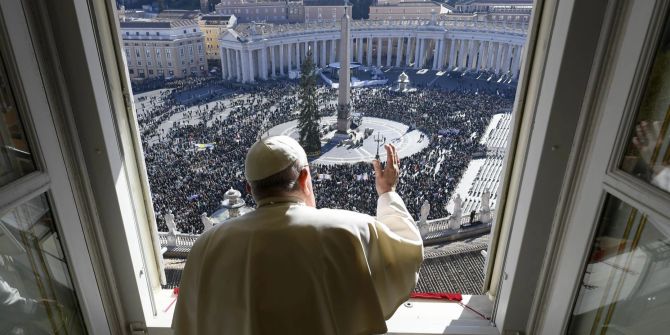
272	155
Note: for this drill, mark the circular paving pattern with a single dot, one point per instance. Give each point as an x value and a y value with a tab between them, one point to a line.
407	143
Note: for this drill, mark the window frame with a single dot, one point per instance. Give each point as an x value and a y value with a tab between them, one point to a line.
563	63
105	63
627	63
45	128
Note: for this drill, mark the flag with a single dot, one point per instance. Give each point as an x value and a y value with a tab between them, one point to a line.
203	146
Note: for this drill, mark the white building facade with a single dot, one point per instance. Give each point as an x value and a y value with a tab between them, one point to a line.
406	10
275	11
163	49
249	53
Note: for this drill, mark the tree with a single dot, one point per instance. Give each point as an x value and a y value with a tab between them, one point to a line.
308	121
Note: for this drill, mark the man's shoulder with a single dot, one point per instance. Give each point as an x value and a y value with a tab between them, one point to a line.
342	218
336	212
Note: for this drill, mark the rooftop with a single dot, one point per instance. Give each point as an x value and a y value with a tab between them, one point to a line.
258	31
497	2
410	4
215	17
323	2
178	14
157	23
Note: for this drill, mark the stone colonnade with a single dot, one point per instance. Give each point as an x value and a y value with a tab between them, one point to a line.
276	56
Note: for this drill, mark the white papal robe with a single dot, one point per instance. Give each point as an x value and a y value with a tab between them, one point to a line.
287	268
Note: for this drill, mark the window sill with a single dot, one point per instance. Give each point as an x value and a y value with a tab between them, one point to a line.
419	317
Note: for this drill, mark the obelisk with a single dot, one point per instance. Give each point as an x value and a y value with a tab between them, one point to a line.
343	97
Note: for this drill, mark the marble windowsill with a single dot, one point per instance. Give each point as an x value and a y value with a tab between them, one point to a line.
418	316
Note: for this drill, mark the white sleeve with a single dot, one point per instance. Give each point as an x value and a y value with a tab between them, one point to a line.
391	211
13	304
395	253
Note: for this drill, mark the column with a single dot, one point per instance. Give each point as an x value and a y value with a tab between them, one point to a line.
281	59
462	54
416	52
398	53
238	65
408	51
297	55
517	61
251	67
245	66
436	54
224	63
480	54
443	50
288	55
422	53
486	52
258	66
264	68
389	51
273	61
315	54
508	58
470	52
379	51
323	54
497	57
359	48
489	58
503	51
333	51
229	65
368	56
224	67
474	47
452	53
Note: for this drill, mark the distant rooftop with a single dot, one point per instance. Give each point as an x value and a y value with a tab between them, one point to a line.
257	31
410	3
323	2
157	23
178	14
497	2
216	19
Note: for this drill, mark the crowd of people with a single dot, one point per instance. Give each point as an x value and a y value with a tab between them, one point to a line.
454	122
194	152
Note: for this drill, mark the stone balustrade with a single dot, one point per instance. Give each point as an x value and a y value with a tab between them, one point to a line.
437	229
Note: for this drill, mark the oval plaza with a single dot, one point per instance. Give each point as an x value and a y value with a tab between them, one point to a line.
254	51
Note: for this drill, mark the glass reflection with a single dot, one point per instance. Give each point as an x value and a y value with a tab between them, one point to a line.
626	286
647	155
15	157
36	293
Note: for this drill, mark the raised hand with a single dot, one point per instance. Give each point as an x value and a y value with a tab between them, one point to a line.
387	179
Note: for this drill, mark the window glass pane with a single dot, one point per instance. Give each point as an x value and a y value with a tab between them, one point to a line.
36	292
648	153
15	157
625	289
